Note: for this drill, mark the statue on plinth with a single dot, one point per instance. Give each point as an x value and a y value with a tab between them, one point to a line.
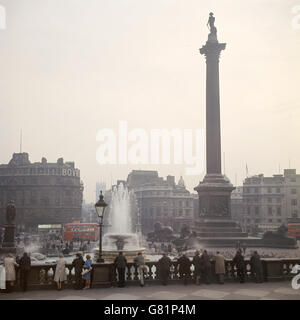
212	37
9	235
10	212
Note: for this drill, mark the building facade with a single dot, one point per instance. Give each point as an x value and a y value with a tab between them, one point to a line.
161	200
237	205
271	201
44	193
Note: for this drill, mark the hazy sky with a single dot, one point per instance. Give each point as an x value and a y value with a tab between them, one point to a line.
71	67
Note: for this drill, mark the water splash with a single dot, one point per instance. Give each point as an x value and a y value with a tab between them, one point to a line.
120	211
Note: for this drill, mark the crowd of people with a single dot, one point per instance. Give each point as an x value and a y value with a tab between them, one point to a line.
202	271
23	265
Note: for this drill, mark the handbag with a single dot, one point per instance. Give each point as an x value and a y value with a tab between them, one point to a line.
85	271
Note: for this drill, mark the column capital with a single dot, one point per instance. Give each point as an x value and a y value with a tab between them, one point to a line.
212	48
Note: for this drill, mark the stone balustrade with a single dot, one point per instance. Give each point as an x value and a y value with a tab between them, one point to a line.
104	274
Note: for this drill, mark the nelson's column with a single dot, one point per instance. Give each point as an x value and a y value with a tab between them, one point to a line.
214	224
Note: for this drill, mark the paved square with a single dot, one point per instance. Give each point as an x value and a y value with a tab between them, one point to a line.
287	291
177	292
213	294
120	296
252	293
75	298
166	295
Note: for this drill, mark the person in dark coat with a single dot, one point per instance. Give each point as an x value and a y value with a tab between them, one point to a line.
120	264
198	266
184	268
164	264
25	265
78	264
206	267
239	262
256	266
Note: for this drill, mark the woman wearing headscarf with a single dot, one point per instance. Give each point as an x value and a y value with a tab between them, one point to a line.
60	271
87	268
10	271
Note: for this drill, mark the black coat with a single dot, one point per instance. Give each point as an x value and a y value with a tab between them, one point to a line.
120	262
78	264
239	262
256	263
184	264
205	261
25	263
198	264
164	263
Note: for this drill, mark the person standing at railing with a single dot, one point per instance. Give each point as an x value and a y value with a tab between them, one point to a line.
120	264
197	262
25	265
256	266
87	268
78	263
206	267
219	266
60	271
184	268
139	260
239	262
164	264
10	271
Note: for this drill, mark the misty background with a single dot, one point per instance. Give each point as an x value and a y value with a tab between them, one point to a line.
69	68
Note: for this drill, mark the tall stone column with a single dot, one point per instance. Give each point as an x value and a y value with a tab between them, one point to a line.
215	189
212	51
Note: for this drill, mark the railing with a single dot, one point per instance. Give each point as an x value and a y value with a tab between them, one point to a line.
105	275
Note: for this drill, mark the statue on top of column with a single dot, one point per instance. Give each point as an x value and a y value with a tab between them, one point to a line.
212	37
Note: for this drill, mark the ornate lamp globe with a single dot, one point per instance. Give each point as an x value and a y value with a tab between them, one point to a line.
100	206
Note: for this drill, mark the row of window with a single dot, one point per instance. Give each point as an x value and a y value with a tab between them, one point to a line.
270	210
158	211
266	220
268	190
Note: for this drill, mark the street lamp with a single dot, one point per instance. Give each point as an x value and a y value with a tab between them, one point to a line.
100	208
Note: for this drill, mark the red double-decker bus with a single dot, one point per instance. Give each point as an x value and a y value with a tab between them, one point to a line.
81	231
294	230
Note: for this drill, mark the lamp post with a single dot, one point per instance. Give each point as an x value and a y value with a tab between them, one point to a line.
100	208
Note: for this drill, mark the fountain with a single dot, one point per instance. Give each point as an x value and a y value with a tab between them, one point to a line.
122	235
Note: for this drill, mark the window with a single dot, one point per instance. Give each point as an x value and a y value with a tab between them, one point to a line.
294	202
295	214
278	220
270	220
278	200
270	211
249	210
256	190
277	190
257	211
269	190
293	191
269	200
279	211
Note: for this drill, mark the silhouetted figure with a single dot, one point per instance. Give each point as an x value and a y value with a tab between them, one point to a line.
184	268
239	262
211	23
164	264
256	266
25	265
198	266
78	264
206	267
120	264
